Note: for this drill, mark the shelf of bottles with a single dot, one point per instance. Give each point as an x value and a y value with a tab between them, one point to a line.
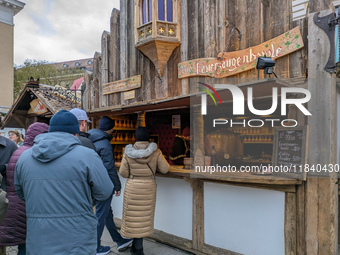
255	135
123	138
122	124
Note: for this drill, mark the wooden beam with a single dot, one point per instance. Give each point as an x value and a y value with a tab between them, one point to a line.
320	5
18	120
290	224
321	193
300	219
197	214
141	119
208	249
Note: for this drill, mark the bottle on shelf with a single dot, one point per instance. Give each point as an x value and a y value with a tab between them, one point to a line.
117	123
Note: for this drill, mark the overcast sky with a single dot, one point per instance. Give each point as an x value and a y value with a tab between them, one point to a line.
60	30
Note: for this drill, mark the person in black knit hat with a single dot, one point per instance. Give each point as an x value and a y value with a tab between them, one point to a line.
139	164
101	139
142	134
56	178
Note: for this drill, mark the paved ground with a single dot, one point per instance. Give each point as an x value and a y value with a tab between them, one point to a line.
150	247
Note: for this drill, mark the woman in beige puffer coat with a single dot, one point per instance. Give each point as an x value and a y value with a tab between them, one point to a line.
139	164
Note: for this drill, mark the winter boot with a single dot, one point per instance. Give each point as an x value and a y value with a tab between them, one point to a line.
140	251
135	251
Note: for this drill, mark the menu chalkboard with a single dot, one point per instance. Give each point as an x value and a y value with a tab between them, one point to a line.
289	151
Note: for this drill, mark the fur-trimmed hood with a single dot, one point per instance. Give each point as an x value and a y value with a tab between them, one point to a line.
140	150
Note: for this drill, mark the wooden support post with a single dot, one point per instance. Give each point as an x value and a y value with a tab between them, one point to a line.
105	68
198	130
115	61
123	43
321	193
290	223
197	214
141	119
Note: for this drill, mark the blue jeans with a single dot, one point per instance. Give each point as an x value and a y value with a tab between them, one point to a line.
105	218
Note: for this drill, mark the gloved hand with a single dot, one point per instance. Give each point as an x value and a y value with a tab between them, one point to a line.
2	168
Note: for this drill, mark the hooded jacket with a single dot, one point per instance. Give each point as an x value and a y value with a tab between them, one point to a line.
101	141
140	189
13	228
56	178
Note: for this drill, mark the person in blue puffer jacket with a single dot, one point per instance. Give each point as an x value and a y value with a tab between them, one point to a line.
101	139
57	178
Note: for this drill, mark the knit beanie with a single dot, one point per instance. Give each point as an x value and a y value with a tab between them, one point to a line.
106	123
186	132
142	134
64	121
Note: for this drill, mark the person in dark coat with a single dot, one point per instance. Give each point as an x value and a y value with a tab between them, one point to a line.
101	139
7	147
83	120
56	178
13	228
3	204
180	148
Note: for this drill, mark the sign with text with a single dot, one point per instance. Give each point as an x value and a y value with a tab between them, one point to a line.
133	82
235	62
176	121
129	94
290	151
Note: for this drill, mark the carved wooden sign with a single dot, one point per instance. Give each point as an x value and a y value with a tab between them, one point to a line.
37	107
240	61
133	82
129	94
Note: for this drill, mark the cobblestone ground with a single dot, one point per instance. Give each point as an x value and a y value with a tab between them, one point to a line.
150	247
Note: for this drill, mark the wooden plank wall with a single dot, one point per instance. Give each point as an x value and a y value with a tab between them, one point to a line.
203	34
114	62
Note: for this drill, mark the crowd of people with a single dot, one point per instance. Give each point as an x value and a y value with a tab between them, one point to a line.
54	179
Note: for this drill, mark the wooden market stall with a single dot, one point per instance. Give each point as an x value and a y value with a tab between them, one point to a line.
153	70
37	103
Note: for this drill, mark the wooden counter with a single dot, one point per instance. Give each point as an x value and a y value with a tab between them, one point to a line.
238	178
232	177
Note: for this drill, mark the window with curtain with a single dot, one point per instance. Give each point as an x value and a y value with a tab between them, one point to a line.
165	12
146	11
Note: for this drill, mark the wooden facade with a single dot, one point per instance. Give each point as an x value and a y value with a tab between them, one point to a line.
207	29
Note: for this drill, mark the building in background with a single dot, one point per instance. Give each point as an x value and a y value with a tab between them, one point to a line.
8	8
69	72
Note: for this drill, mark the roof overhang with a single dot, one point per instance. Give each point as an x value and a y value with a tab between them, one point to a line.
16	116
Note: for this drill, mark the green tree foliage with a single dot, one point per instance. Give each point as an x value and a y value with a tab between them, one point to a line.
44	70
